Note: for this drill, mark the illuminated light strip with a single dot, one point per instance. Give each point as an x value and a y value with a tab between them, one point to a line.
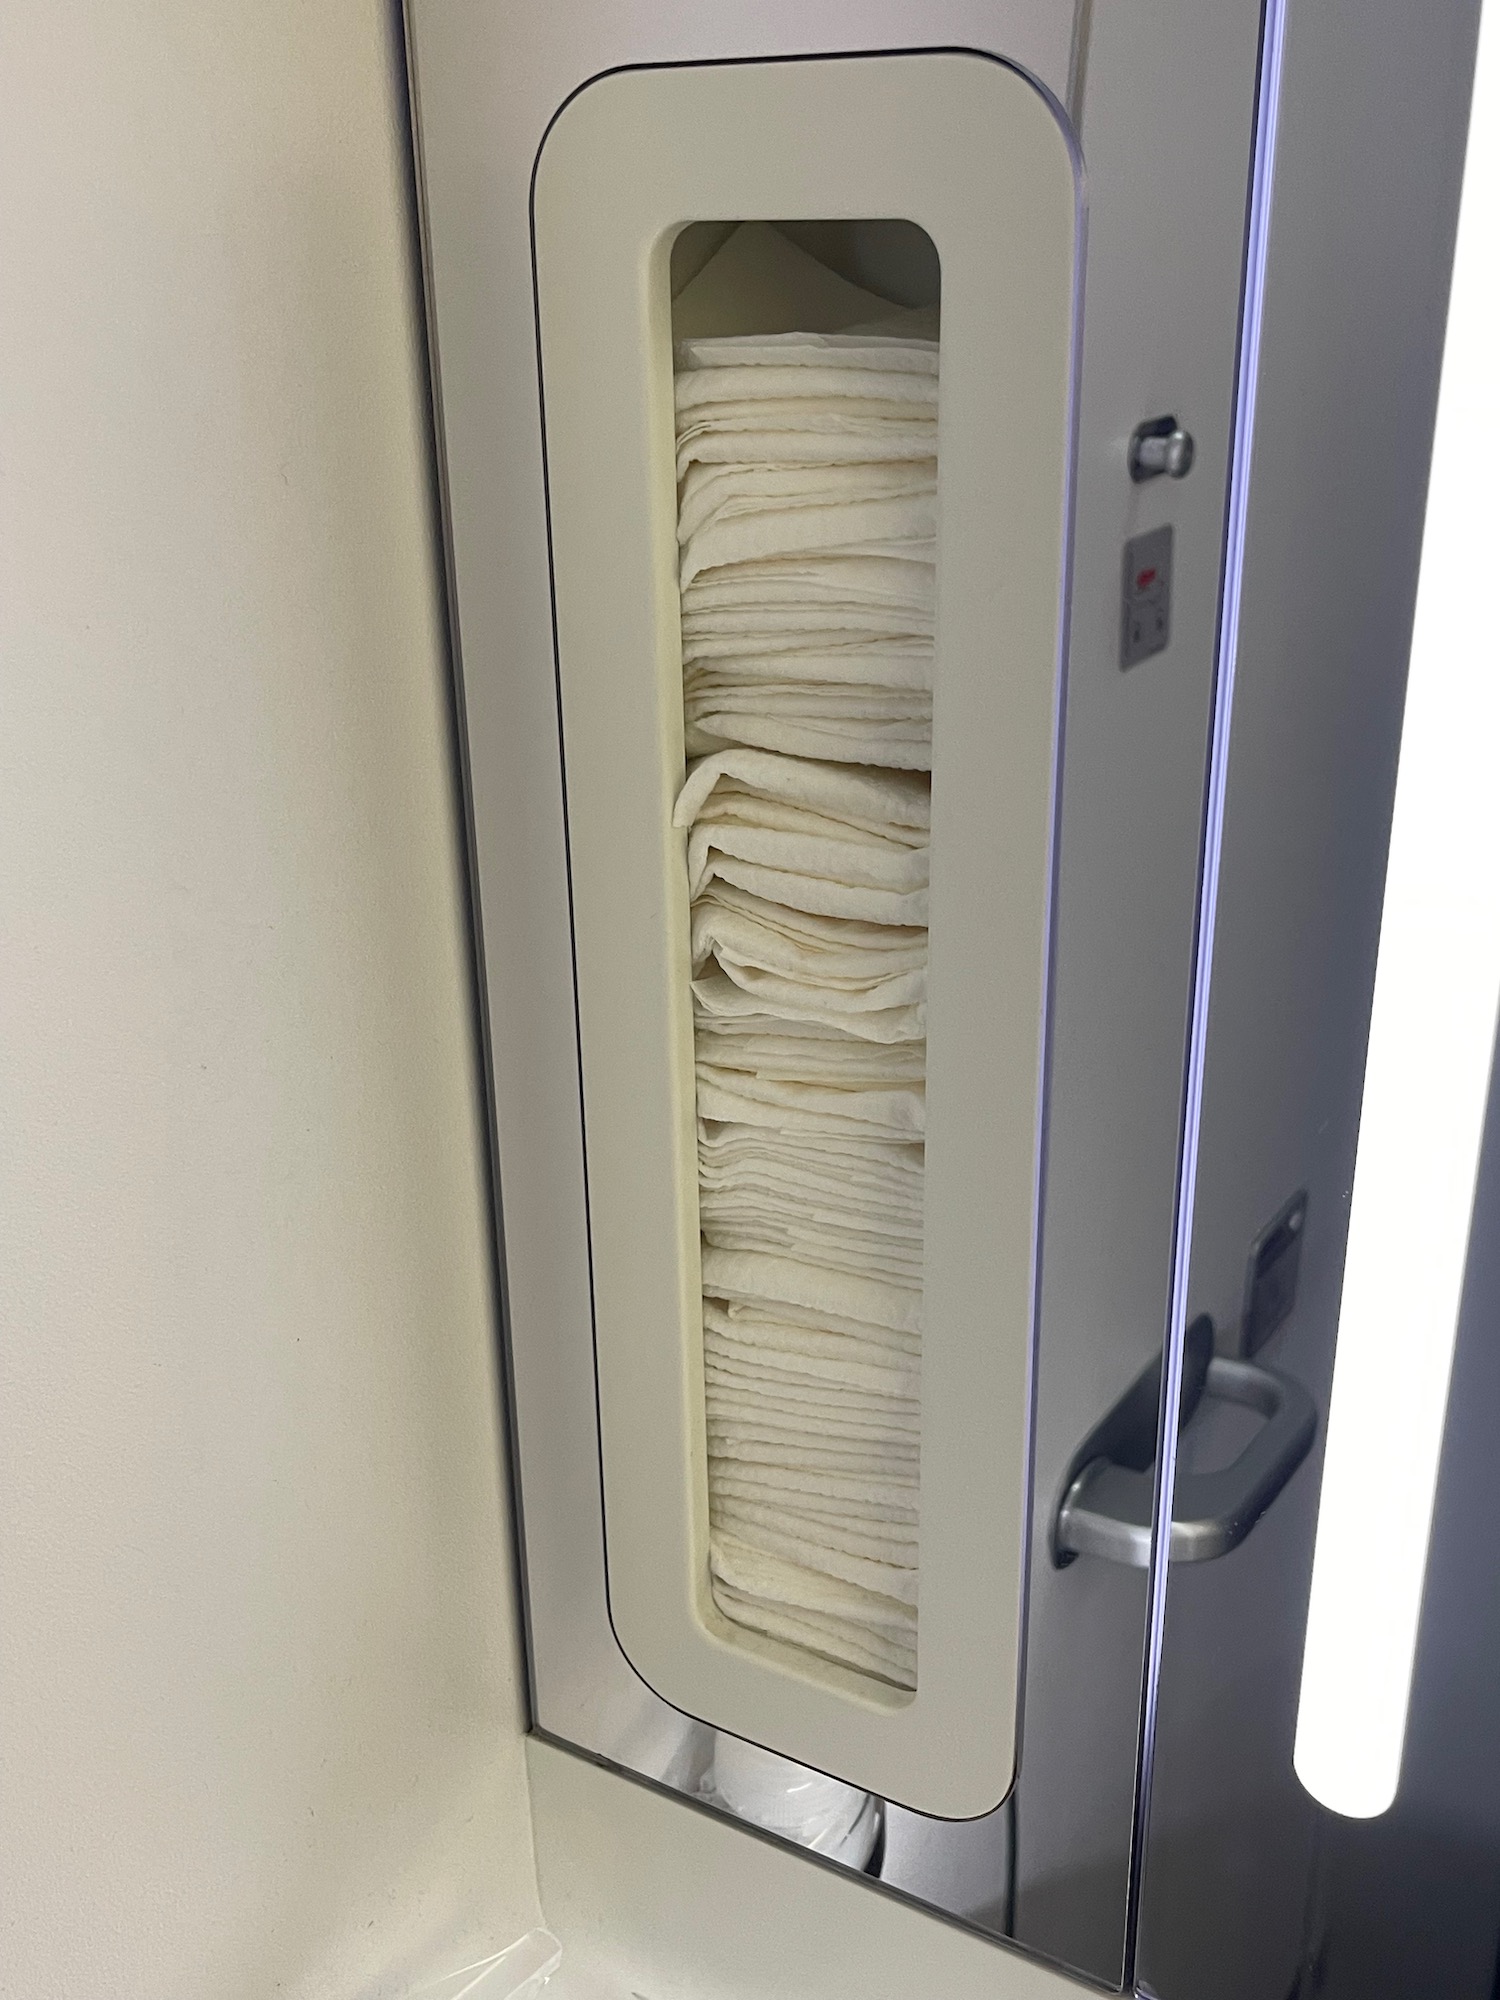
1427	1071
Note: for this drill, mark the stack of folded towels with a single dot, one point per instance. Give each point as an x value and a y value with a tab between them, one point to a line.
807	468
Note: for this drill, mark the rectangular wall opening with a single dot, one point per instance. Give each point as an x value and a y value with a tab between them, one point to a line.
806	396
750	622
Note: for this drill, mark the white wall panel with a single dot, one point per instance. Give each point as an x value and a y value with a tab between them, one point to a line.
261	1700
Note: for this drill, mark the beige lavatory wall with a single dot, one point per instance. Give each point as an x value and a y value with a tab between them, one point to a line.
260	1701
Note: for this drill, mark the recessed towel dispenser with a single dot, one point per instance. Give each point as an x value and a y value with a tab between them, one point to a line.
695	811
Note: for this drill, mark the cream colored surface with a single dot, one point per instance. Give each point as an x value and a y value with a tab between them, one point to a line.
260	1704
490	79
972	153
662	1901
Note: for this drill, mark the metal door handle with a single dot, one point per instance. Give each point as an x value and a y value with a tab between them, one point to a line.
1106	1510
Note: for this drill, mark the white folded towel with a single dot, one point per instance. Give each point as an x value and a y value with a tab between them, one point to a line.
807	525
724	492
856	1238
775	1048
791	1448
811	350
892	1503
803	1536
858	1235
824	1555
740	833
864	722
905	527
867	1171
740	931
867	1358
869	1252
861	1256
784	1281
779	1185
862	592
723	999
750	1370
758	1416
748	1568
902	746
863	798
796	666
747	1099
824	1496
851	1642
810	1323
738	1371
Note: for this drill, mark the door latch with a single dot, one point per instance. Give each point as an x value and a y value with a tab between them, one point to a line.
1108	1502
1161	445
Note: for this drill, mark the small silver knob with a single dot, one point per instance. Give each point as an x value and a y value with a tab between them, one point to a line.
1161	446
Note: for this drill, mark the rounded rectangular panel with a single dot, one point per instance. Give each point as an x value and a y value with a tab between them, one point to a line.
974	155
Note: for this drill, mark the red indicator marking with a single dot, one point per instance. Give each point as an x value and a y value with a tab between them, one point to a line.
1145	579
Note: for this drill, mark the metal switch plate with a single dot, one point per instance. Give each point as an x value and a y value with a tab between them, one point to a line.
1146	596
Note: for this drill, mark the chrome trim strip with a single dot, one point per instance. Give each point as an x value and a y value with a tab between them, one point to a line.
1257	238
